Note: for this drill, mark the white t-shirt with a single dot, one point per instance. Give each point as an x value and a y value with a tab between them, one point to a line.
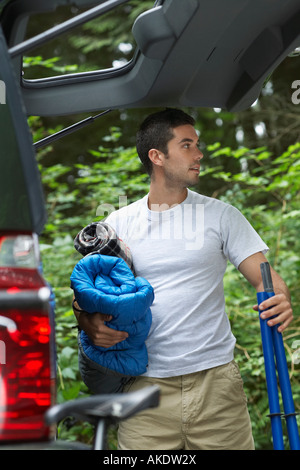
183	253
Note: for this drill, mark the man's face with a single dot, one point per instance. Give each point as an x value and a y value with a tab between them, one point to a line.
181	164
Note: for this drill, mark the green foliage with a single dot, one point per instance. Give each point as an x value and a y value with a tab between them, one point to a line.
51	64
264	188
106	33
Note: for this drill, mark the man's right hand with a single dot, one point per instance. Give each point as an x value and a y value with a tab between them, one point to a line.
99	333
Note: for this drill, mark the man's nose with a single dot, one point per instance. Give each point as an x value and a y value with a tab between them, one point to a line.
199	155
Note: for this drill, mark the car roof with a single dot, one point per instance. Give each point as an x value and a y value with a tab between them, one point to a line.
194	53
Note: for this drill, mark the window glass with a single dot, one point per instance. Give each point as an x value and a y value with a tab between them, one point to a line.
105	42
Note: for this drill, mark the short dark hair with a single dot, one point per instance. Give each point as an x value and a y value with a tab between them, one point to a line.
156	131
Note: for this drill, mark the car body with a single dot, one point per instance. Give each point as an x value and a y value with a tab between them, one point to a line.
195	53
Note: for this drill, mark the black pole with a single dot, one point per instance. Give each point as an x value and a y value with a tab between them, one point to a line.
68	130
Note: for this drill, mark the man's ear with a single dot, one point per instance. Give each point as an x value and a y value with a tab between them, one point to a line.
156	157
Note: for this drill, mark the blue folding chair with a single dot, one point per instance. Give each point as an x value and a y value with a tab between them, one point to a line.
275	358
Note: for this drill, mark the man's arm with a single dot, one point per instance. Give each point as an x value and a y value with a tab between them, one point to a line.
280	303
94	326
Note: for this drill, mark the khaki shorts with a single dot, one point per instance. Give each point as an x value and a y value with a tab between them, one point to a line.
205	410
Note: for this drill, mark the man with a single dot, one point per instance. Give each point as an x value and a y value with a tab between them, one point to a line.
180	242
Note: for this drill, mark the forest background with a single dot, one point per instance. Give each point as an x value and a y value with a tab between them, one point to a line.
252	160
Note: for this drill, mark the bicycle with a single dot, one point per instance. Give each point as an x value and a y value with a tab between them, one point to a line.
101	411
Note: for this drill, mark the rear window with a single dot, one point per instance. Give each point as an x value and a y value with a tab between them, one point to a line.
104	43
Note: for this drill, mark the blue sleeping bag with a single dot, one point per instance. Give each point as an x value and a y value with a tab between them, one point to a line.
105	284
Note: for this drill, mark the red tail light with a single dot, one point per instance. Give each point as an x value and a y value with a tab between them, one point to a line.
26	371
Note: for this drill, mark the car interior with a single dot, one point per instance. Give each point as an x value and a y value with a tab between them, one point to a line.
220	53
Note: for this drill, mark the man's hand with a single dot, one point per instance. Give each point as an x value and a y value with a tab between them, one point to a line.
93	324
100	334
280	306
280	303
